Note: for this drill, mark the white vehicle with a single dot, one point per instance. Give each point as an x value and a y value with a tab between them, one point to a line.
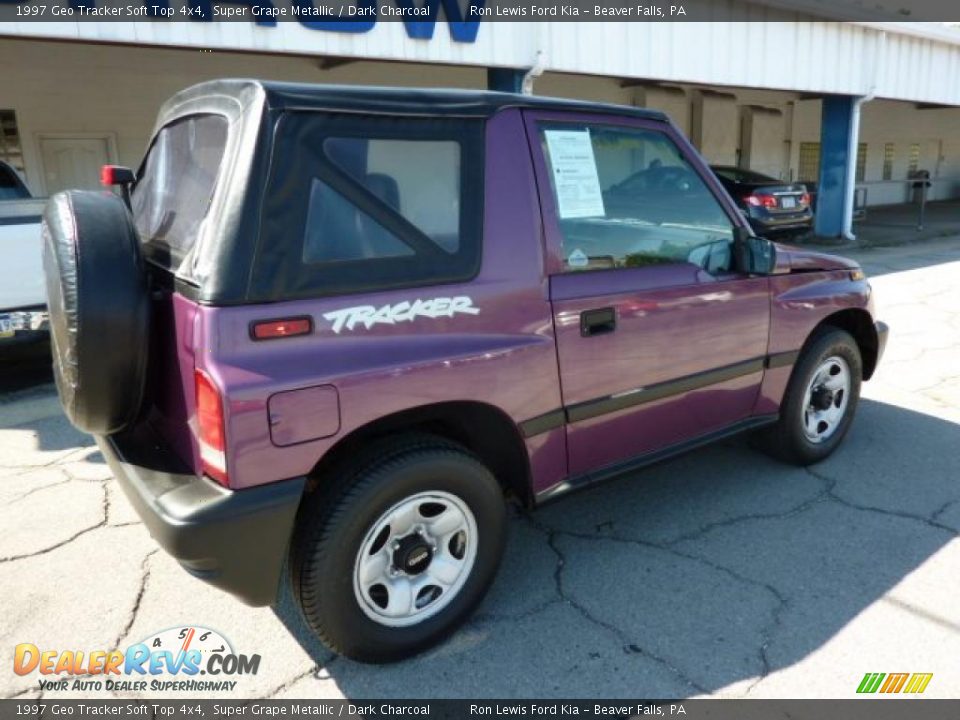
23	310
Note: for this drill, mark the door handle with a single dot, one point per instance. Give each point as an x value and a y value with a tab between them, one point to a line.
598	322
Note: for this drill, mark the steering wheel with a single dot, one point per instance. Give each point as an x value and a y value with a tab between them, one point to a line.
675	178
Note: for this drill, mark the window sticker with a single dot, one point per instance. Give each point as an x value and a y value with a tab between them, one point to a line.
574	174
578	259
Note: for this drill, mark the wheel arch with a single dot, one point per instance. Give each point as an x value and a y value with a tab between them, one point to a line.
481	428
859	324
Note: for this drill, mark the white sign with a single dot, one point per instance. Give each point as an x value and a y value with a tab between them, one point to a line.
574	174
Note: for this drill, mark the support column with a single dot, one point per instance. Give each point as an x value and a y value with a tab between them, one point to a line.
838	147
505	79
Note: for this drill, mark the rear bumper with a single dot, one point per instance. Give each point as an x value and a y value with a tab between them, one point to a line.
766	222
765	228
23	323
235	540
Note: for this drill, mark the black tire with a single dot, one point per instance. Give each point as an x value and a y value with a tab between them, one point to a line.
334	522
786	440
99	308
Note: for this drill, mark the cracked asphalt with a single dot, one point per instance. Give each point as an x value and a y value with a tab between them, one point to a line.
719	573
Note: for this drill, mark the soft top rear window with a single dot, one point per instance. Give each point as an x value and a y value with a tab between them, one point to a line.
175	186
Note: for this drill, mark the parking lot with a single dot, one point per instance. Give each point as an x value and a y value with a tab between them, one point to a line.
719	573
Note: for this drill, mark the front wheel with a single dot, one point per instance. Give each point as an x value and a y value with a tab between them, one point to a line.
820	400
401	552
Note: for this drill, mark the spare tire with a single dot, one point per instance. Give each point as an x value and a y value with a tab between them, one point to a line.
99	305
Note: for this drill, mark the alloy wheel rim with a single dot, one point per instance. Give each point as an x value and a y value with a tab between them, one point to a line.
415	559
826	399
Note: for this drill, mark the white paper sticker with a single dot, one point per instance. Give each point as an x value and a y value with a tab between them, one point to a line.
574	174
578	258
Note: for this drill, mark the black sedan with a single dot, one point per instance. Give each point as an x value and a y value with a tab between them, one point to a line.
770	206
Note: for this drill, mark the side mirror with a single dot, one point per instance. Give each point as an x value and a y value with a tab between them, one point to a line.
754	255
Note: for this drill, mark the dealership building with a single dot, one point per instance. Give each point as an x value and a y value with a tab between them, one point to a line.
858	107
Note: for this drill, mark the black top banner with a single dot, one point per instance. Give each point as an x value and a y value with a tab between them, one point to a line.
360	15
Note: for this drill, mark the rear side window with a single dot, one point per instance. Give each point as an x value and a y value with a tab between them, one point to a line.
420	179
339	231
366	204
175	186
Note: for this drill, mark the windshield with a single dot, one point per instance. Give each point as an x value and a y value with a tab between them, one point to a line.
175	186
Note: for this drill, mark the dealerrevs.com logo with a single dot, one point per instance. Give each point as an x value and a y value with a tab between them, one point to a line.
185	658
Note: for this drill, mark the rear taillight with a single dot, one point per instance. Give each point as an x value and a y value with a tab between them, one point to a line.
210	428
805	199
760	200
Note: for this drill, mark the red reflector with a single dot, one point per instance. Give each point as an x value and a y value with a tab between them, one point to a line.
210	428
269	329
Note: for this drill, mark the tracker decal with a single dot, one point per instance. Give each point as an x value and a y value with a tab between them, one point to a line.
406	311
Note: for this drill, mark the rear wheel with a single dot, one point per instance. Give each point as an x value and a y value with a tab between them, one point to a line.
399	554
820	401
415	559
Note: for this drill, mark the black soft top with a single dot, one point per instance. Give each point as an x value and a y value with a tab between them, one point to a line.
384	100
220	267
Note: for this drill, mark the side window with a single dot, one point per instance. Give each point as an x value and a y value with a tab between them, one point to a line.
420	179
627	198
338	231
372	203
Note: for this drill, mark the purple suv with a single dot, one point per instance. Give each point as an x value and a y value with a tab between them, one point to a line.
340	326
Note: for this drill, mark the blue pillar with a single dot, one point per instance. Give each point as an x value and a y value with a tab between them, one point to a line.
836	145
505	79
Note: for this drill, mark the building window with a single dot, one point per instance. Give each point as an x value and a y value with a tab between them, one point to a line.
809	162
914	163
861	162
10	150
889	150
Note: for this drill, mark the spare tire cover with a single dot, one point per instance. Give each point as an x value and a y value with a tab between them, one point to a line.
99	306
